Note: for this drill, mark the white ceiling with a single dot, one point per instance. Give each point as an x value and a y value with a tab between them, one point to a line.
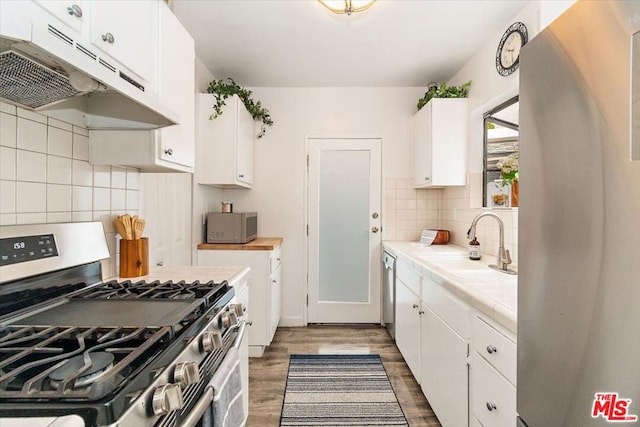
301	43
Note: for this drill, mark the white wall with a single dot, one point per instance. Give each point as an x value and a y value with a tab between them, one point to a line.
280	161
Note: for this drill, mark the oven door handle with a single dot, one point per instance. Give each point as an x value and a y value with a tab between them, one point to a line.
199	409
242	326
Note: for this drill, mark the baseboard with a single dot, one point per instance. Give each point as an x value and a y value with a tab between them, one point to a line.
290	322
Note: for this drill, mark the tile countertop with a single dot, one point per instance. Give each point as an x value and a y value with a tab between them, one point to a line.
193	273
491	292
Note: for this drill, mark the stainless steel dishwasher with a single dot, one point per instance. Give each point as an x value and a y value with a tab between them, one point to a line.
389	292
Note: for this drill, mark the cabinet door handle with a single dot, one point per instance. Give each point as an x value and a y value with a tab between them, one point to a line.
426	178
274	281
415	305
250	323
421	312
491	406
169	151
160	264
108	37
491	349
75	10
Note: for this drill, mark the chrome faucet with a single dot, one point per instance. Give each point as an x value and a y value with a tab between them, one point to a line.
504	259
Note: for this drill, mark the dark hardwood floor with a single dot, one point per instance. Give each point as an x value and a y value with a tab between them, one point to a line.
268	375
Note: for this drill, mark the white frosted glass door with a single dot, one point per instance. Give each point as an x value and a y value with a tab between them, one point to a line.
344	238
344	222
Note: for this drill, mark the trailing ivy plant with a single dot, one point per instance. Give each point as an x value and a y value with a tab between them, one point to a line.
223	89
444	91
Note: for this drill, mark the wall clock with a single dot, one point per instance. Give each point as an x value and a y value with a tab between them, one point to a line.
508	53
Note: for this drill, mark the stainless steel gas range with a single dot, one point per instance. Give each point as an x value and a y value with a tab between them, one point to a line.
121	353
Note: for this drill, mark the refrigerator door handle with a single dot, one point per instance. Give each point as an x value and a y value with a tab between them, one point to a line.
635	97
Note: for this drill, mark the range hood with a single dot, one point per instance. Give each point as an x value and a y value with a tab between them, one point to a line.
42	68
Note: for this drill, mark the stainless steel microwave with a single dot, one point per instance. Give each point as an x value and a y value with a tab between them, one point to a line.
238	227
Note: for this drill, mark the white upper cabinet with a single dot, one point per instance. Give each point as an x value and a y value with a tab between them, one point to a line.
72	13
225	144
176	82
440	140
170	149
127	31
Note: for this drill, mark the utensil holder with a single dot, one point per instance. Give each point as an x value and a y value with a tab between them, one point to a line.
134	257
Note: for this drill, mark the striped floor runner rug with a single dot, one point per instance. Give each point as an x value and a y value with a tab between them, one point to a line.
339	390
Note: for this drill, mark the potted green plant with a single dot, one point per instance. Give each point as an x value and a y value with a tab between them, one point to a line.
444	91
223	89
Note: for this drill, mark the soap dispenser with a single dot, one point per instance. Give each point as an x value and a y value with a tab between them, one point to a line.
474	249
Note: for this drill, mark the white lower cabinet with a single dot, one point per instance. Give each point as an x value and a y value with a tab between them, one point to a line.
493	375
265	289
242	295
444	371
464	362
408	327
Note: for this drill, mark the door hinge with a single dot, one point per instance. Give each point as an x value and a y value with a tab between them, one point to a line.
307	299
307	229
307	163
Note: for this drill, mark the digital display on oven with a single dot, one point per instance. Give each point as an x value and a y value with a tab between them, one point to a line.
14	250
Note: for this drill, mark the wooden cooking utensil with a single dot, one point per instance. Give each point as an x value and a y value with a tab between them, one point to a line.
138	228
126	220
120	228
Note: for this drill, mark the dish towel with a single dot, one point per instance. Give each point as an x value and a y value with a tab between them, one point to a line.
226	408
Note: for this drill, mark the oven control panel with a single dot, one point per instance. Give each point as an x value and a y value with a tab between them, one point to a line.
14	250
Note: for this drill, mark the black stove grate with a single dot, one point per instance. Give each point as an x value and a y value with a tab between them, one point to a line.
30	355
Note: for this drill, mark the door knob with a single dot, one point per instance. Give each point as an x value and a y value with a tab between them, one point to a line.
374	215
374	229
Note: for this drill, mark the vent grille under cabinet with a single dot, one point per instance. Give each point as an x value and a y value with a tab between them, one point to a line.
31	84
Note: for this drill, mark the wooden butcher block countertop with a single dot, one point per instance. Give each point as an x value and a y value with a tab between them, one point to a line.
258	244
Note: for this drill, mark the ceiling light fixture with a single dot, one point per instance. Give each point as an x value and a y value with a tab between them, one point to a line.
346	6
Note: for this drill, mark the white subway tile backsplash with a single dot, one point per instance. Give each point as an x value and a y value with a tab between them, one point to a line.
59	170
81	216
7	197
132	200
31	218
58	198
102	176
31	135
8	219
118	199
8	130
102	199
106	218
60	142
8	163
31	197
133	179
118	177
58	217
80	147
31	115
59	124
45	176
7	108
82	199
82	173
80	131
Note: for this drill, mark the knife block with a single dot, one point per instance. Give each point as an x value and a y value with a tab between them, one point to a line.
134	257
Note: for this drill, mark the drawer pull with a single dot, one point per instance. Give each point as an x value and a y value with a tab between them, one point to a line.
491	349
491	406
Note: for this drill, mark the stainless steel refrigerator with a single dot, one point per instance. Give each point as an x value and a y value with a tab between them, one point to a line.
579	220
